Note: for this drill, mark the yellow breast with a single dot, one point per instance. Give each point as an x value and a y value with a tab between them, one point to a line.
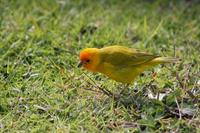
124	75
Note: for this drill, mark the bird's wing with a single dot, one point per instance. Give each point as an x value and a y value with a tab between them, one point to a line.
122	56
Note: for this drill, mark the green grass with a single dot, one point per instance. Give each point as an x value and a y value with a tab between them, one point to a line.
42	90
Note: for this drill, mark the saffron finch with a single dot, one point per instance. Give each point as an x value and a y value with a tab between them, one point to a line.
119	63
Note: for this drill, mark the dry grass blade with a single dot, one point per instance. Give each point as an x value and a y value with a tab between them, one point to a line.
105	91
184	88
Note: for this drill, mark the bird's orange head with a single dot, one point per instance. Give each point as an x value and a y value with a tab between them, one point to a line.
89	59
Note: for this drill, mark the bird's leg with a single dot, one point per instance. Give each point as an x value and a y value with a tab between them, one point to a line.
154	75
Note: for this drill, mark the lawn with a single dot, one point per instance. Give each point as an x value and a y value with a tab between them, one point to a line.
43	90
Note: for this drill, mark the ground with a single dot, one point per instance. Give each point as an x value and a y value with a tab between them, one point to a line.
42	90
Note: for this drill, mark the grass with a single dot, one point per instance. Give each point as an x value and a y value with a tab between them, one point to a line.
42	90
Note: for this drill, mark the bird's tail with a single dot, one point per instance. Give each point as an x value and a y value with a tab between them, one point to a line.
166	60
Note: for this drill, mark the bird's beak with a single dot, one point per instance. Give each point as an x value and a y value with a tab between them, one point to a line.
80	64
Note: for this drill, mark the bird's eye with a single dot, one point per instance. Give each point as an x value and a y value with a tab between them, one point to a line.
87	60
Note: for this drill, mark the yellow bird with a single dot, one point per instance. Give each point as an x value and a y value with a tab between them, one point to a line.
120	63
